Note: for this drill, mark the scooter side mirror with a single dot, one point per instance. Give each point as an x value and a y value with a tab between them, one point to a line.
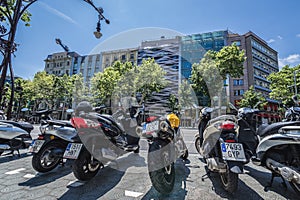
232	106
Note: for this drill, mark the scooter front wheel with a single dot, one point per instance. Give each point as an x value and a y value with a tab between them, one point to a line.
162	177
84	168
197	144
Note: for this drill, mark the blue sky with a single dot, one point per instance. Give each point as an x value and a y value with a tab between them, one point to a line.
74	21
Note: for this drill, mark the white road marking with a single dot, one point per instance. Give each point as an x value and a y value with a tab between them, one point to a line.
16	171
29	176
132	194
75	183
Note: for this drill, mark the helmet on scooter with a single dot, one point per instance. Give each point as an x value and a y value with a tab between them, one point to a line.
83	107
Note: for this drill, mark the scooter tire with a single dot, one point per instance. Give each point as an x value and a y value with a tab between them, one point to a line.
197	144
38	160
1	152
83	169
229	181
162	179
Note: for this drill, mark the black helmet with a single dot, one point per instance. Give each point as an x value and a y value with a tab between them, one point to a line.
83	106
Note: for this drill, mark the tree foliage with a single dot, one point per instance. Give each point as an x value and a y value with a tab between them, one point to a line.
282	84
7	8
252	98
144	79
103	83
208	76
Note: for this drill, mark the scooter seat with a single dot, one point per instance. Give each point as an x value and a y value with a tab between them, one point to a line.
23	125
60	123
265	130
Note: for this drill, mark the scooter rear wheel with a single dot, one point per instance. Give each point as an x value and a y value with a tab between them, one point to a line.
43	161
229	181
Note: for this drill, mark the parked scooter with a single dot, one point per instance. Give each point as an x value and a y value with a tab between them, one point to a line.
275	147
49	147
102	139
166	144
222	150
14	136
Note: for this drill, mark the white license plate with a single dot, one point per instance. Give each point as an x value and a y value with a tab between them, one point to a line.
72	151
233	151
150	127
36	145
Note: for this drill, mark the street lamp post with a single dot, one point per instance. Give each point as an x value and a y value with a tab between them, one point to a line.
12	14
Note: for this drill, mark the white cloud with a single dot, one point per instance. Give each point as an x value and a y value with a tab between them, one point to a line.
298	35
58	13
279	37
270	41
293	59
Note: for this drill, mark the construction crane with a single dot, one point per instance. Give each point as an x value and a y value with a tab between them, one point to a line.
58	41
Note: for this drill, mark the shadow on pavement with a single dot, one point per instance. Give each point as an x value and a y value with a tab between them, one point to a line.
4	158
106	179
264	179
243	191
45	178
179	192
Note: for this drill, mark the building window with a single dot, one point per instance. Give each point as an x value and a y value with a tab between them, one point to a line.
123	57
238	92
238	82
68	63
131	56
237	43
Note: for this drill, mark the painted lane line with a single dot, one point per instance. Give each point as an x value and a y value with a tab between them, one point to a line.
16	171
75	184
29	176
132	194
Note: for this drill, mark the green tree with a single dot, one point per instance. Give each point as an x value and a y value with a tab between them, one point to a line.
252	98
145	79
282	84
104	83
186	95
208	76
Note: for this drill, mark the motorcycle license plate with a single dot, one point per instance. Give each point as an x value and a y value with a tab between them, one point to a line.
150	127
233	151
72	151
36	145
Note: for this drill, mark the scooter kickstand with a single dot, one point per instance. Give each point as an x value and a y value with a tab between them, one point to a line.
205	176
283	183
266	189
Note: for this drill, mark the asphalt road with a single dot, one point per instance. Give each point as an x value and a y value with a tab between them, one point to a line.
129	179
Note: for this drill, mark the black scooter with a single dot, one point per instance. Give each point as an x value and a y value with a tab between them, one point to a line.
102	139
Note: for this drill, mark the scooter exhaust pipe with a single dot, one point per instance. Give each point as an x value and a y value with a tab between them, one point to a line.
286	172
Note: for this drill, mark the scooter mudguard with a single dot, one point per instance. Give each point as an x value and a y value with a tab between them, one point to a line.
236	167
